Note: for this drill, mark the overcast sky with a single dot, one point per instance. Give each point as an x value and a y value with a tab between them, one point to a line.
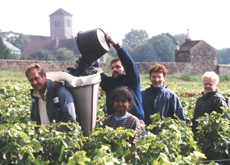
206	19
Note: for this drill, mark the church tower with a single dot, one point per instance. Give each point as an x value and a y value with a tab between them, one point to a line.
60	25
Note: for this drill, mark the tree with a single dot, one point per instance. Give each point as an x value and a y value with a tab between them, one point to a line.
5	52
112	52
180	37
41	54
159	48
63	54
144	52
164	47
15	39
223	56
135	37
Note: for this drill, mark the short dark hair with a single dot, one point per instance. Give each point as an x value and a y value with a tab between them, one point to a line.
159	69
125	92
33	66
115	59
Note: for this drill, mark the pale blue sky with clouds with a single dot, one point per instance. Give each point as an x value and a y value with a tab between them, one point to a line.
206	19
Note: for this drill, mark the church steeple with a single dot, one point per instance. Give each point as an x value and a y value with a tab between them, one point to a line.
60	25
188	37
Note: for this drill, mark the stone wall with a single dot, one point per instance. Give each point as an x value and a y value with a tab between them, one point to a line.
223	69
174	68
21	65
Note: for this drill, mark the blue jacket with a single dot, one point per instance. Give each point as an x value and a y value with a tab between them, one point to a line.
163	101
131	79
67	109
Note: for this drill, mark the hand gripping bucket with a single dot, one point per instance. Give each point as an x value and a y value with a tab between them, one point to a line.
85	92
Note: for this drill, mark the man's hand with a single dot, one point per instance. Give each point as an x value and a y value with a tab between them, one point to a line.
109	39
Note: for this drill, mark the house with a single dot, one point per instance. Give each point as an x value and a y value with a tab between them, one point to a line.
34	43
60	36
13	49
203	57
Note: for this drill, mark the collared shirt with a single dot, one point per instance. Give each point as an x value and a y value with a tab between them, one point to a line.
42	108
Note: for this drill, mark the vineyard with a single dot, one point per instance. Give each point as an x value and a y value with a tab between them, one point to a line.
172	142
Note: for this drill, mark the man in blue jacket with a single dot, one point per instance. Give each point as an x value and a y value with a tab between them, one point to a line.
124	73
158	99
44	111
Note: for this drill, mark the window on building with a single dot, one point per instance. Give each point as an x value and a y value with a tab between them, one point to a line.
68	23
56	23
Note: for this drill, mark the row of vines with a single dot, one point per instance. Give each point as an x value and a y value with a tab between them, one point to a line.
171	142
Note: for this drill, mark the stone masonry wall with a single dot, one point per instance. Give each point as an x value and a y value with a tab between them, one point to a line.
21	65
223	69
174	68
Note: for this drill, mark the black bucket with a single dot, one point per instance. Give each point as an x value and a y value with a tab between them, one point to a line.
92	44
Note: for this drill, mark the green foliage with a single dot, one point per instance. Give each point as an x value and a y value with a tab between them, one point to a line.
15	39
167	142
29	143
63	54
224	78
144	52
180	37
42	55
5	52
134	37
190	78
113	52
223	56
15	76
14	102
113	142
156	49
213	136
164	47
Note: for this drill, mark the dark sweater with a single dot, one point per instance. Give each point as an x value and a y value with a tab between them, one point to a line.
131	79
212	101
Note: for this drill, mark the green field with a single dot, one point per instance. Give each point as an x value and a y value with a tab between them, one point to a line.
24	142
190	83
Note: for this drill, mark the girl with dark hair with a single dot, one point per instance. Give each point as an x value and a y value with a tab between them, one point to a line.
123	100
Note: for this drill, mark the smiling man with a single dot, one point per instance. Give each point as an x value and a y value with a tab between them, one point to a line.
211	99
44	109
124	73
158	99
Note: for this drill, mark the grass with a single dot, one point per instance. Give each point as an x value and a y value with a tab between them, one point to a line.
9	75
188	83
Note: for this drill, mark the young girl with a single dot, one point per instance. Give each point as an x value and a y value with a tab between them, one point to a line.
122	99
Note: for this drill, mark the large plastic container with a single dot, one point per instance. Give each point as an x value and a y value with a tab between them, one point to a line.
85	92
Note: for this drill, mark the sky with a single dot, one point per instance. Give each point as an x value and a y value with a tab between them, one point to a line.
206	20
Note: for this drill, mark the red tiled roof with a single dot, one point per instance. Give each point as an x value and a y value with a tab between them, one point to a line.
65	43
34	43
29	38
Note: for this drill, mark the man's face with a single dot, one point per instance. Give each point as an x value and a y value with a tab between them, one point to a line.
209	85
157	79
36	81
117	69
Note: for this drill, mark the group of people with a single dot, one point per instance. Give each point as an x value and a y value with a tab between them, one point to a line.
127	105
